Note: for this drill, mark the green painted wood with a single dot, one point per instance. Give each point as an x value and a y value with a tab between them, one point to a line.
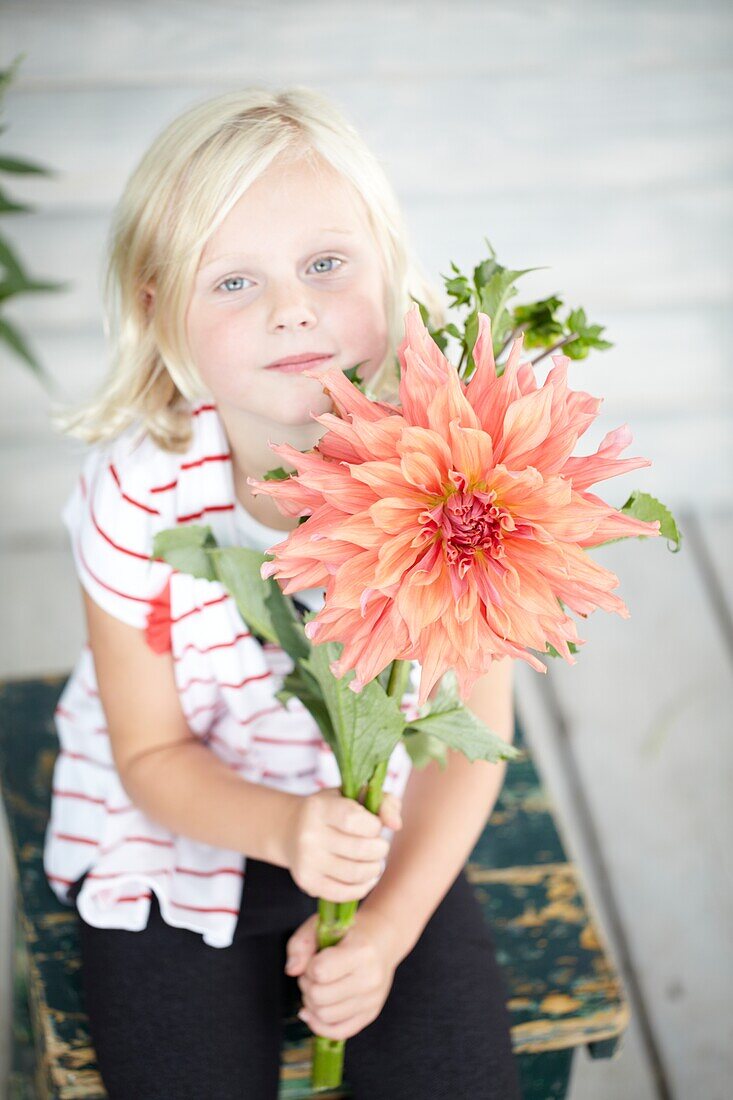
564	991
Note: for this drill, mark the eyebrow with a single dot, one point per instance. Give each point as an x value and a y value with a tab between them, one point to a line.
242	256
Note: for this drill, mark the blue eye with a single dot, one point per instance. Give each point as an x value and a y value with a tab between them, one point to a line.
327	258
240	279
233	279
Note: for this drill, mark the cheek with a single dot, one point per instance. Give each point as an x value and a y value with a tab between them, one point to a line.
364	329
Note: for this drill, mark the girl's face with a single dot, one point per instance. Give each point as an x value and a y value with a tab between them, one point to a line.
292	269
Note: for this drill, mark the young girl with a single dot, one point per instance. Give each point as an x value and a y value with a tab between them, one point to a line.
195	820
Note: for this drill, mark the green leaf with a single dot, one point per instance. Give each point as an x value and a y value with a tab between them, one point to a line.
24	167
646	507
278	474
352	373
238	569
7	206
453	723
10	335
367	726
286	621
300	685
186	549
552	652
423	748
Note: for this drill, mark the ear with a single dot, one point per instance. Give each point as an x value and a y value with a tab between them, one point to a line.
147	297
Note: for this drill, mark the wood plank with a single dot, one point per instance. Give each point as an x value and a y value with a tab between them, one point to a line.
124	44
624	252
644	131
647	712
38	473
647	372
629	1072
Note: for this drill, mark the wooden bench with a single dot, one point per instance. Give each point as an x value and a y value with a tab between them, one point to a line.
564	991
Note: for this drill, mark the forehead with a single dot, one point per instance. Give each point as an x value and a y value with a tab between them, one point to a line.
285	207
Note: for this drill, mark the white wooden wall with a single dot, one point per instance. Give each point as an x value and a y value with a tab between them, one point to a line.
590	136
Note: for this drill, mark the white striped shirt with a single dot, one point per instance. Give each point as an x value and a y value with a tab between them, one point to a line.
128	490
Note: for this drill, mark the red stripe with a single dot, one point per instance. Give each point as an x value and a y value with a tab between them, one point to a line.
77	794
167	871
259	714
76	839
197	610
286	740
209	649
226	457
203	512
202	908
289	775
191	466
199	710
249	680
88	759
129	499
106	537
196	680
203	409
108	587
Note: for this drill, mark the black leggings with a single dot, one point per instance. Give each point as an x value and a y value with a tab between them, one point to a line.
174	1019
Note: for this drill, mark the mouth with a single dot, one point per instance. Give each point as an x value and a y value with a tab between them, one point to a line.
298	363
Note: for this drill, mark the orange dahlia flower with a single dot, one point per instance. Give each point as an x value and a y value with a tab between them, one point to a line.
448	529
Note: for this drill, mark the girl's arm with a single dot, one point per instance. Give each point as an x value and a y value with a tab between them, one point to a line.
331	845
444	813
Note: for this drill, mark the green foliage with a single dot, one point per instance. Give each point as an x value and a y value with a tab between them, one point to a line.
14	279
186	549
458	727
367	725
489	290
645	507
361	728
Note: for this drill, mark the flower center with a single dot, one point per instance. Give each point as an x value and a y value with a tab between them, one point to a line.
467	521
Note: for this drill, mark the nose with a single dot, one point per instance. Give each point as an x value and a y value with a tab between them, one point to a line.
291	308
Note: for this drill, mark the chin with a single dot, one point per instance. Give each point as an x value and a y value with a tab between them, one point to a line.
296	411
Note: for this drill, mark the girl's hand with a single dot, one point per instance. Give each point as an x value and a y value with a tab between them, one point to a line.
345	986
333	845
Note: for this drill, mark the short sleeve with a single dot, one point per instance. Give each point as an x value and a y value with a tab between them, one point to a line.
112	519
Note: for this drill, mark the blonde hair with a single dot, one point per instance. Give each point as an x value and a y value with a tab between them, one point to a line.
181	190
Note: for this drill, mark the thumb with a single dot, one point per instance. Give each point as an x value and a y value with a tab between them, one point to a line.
301	946
390	811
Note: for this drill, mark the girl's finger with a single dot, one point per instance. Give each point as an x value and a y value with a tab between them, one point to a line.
301	946
360	849
349	873
337	1013
319	994
390	811
338	891
342	1030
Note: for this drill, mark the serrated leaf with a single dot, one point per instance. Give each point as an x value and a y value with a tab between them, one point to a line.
367	726
460	729
451	721
645	507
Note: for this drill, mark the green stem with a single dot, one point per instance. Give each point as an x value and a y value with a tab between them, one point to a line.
336	917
